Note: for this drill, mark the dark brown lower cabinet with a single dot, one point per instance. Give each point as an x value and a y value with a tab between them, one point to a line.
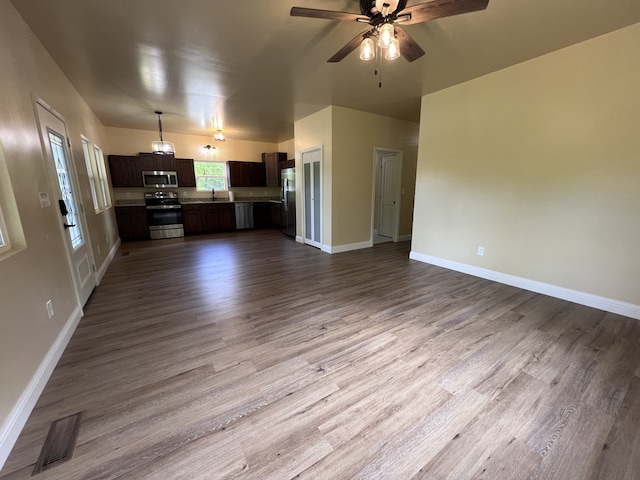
262	215
276	214
208	218
132	223
191	219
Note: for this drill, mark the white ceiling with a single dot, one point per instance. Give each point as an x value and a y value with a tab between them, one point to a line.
261	69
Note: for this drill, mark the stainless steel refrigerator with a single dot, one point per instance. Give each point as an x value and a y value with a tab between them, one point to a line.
289	201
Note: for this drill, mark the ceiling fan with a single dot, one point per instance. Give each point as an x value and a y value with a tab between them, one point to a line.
383	16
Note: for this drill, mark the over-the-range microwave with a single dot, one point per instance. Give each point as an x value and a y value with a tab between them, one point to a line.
159	179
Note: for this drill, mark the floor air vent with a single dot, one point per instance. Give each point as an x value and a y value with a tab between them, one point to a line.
60	443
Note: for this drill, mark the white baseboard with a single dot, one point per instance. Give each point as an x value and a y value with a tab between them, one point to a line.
299	239
404	238
107	261
19	415
348	247
590	300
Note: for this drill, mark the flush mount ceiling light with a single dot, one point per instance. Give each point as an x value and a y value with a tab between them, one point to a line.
161	147
219	136
383	16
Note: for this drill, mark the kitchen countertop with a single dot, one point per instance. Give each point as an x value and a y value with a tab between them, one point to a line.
201	201
196	201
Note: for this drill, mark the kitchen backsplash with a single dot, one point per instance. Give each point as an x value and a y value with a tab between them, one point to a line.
123	195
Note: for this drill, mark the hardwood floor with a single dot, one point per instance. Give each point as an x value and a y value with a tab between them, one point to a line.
247	355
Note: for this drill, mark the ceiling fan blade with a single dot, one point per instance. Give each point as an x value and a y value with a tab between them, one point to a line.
327	14
441	8
409	49
348	48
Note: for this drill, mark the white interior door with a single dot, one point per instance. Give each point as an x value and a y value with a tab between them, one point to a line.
67	203
390	183
312	194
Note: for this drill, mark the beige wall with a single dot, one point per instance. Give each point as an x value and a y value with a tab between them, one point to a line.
124	141
309	132
348	138
539	164
355	135
39	272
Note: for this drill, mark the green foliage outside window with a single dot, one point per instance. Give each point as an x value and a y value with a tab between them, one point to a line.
210	175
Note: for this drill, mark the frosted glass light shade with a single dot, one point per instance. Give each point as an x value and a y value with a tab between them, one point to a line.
162	147
367	49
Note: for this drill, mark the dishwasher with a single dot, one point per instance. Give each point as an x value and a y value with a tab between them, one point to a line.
244	215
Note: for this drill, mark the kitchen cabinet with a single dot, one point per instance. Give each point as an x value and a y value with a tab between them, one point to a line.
125	171
287	164
261	215
218	217
276	214
150	162
208	218
191	219
132	223
186	173
272	167
246	174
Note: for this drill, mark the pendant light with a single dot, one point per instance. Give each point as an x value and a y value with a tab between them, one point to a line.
162	147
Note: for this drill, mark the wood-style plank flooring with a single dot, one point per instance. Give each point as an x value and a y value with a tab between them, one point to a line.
247	355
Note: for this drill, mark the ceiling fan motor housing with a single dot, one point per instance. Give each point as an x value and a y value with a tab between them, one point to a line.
373	8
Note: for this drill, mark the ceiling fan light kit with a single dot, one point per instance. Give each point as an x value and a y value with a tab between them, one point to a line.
384	17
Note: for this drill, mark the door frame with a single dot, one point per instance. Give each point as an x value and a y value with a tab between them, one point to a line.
378	154
55	188
319	149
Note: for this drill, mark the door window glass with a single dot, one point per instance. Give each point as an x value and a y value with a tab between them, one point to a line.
68	196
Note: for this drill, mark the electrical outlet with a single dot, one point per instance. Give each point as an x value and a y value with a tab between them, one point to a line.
480	251
49	308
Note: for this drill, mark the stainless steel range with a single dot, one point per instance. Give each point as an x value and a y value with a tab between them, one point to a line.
164	214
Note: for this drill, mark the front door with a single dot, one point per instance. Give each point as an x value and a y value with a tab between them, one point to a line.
53	132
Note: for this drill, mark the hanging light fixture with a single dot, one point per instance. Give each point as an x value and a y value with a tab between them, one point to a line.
217	124
162	147
386	42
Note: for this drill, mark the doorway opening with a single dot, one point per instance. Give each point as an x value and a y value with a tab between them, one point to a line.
64	187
